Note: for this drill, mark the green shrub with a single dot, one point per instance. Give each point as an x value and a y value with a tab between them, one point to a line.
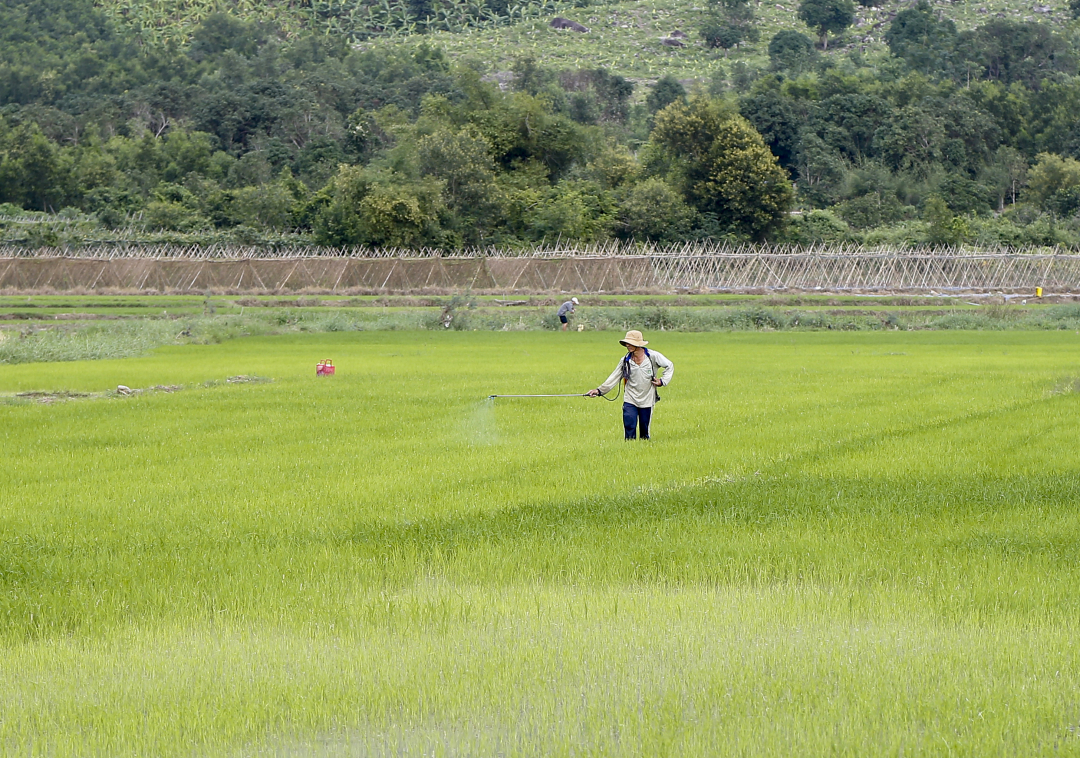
817	227
653	210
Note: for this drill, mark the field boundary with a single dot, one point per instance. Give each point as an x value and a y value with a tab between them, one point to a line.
185	270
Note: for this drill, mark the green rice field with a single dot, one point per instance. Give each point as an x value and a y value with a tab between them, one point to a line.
836	543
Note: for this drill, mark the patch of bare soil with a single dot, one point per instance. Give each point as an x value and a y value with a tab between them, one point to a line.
49	397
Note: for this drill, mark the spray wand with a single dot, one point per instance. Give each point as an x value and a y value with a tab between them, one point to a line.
572	394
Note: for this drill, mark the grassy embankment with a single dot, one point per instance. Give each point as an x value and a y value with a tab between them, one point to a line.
835	544
81	327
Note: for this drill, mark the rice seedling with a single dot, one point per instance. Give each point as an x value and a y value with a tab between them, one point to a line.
836	543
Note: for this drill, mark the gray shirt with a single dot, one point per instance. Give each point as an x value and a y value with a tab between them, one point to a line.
567	307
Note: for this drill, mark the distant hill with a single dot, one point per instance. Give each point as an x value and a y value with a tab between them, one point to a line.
342	122
625	37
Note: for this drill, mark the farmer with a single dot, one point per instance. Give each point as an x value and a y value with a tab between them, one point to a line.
565	310
643	371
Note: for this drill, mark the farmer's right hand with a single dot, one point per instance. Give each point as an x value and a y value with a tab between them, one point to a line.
593	393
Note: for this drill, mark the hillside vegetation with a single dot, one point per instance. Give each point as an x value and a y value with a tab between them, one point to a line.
426	124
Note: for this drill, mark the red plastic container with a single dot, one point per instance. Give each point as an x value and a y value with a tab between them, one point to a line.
324	368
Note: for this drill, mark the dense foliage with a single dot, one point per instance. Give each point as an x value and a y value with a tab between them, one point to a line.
245	132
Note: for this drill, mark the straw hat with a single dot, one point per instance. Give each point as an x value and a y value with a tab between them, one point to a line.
633	337
574	300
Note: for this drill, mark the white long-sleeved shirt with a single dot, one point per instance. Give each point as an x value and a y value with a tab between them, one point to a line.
639	389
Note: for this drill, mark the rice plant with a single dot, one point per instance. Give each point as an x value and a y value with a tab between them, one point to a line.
835	543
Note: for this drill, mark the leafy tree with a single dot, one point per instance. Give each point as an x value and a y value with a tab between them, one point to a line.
1006	174
739	13
965	196
875	208
1051	121
724	167
572	211
225	115
462	162
267	207
778	120
338	221
911	141
1017	51
32	171
529	76
717	32
1065	203
219	32
848	123
729	24
653	210
924	41
368	208
1053	182
597	94
396	215
971	136
522	129
582	108
183	153
252	169
1011	108
817	227
819	169
666	91
317	160
789	49
945	228
91	167
614	166
743	76
613	92
175	209
826	16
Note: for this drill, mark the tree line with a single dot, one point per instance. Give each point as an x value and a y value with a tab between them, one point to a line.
948	137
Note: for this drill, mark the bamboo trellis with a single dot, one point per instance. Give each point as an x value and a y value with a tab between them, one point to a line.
610	268
608	249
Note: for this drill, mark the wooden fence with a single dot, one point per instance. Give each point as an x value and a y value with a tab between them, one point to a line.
554	271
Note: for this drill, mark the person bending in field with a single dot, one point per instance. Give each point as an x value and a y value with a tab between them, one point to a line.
566	310
641	371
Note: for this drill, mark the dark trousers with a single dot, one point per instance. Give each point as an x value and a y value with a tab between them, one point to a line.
632	417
